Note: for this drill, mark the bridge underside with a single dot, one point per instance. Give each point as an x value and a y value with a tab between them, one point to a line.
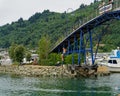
75	42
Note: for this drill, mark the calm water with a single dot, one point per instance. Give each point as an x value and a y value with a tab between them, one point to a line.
31	86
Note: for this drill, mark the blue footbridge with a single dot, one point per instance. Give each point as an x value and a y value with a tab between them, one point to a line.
81	40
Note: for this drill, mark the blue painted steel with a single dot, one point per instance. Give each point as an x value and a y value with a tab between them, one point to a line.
99	39
75	41
81	31
80	47
91	47
74	49
68	50
59	50
90	24
77	45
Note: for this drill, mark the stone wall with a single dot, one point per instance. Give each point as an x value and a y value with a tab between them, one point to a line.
36	70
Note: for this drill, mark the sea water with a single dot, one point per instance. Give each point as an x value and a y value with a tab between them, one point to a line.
11	85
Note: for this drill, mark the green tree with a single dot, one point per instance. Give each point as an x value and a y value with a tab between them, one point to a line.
28	56
44	49
12	51
54	58
0	57
28	32
19	53
68	58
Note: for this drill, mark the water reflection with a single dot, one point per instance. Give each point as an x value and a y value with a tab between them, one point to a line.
30	86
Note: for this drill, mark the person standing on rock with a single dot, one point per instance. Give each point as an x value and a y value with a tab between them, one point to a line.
63	54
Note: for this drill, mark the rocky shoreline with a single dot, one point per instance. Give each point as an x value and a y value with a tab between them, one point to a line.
49	71
36	70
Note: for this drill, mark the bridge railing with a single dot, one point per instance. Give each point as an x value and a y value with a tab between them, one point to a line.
115	6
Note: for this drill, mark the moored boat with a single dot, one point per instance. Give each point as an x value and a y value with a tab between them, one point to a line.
114	61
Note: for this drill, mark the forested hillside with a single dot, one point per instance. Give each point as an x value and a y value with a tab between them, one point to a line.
55	25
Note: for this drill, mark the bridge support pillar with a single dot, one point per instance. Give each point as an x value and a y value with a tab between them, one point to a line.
81	49
91	46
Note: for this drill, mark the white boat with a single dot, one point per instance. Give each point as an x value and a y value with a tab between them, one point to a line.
114	61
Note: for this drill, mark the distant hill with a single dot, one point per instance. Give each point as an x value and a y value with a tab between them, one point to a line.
55	25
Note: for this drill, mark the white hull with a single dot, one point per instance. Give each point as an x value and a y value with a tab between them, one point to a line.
113	61
114	69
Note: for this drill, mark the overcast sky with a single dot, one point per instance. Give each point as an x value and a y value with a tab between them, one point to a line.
12	10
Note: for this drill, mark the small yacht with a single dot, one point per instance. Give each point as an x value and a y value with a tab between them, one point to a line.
114	61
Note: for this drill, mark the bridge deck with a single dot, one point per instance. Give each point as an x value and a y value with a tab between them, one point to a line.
88	25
